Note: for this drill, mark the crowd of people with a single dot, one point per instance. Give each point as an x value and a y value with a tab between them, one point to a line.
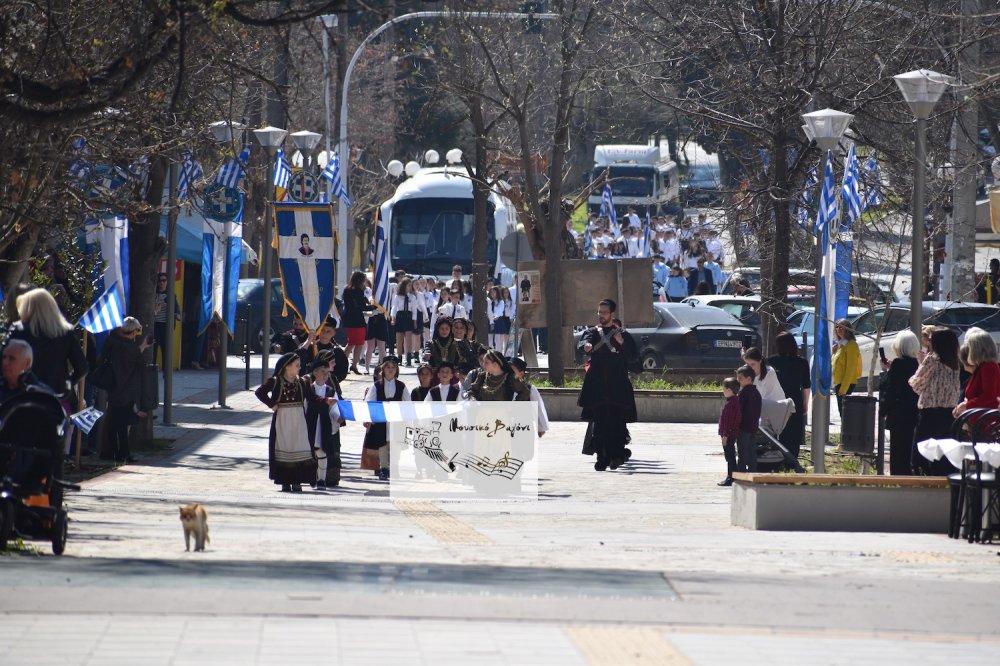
427	325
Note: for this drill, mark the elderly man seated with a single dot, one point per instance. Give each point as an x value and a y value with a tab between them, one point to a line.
16	370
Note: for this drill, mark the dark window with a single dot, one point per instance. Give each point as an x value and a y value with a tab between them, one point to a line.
429	236
964	318
628	181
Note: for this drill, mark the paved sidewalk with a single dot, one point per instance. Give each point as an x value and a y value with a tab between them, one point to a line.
638	566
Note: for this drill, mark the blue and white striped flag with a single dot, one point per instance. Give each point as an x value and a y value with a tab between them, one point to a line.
282	170
110	236
845	244
79	167
380	277
307	245
608	208
588	242
232	171
106	312
851	189
873	182
222	247
332	174
190	172
822	367
395	412
87	419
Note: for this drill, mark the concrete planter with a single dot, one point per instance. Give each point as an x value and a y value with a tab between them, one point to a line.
652	406
826	503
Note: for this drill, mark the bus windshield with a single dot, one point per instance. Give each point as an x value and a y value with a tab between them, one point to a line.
628	181
429	236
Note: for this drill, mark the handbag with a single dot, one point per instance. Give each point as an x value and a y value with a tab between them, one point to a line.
103	377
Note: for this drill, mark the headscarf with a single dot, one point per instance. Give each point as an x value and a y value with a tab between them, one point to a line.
283	361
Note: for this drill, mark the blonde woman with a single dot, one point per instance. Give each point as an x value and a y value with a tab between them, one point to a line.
59	360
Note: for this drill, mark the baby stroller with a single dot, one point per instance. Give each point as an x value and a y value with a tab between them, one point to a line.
772	456
32	425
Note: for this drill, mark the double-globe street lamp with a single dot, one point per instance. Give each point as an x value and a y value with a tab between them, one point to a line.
826	127
921	88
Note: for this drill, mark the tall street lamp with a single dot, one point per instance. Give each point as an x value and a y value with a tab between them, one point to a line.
225	132
329	21
826	127
921	89
306	142
270	138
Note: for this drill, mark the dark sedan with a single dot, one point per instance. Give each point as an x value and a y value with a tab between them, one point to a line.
692	336
250	300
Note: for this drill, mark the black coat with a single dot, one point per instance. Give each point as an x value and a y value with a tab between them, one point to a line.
355	307
127	363
606	384
898	399
53	358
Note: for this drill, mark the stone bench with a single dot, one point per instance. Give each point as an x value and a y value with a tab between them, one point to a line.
840	503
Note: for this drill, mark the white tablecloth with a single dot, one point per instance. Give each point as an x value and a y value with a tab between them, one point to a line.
956	452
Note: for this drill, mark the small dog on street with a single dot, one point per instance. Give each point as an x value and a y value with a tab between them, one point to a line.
194	518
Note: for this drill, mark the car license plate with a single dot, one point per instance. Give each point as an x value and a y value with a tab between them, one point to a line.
734	344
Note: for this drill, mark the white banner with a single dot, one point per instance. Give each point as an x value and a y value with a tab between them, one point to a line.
486	451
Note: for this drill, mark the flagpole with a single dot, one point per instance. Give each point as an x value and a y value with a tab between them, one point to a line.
171	305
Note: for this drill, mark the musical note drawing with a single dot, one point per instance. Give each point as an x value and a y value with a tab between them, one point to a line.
506	467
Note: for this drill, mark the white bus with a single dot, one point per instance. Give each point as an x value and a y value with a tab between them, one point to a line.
429	223
642	177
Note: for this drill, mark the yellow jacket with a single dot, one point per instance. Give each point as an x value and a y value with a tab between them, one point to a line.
846	366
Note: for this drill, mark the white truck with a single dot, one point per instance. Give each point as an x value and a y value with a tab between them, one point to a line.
641	177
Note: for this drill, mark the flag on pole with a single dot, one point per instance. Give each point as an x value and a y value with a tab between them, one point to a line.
646	247
822	367
105	314
110	236
588	242
306	242
845	245
873	182
380	278
222	247
190	172
395	412
282	171
371	246
79	167
332	174
87	419
232	171
608	209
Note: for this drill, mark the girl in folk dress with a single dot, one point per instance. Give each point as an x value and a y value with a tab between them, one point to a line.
375	455
425	374
441	347
291	461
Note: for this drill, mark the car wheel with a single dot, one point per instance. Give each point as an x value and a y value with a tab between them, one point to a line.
258	341
650	361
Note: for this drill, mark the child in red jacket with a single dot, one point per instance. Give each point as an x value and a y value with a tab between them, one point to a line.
729	426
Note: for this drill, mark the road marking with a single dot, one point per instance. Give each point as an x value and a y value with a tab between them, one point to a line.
440	524
613	646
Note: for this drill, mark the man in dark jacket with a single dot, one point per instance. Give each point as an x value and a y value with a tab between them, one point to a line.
698	275
289	341
607	399
124	348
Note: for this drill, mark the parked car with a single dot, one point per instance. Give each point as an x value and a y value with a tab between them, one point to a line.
959	317
802	325
743	308
250	296
688	335
863	290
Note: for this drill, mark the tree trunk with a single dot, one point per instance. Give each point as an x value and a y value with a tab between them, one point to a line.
480	234
775	243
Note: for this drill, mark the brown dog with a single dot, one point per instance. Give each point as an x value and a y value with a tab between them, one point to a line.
194	518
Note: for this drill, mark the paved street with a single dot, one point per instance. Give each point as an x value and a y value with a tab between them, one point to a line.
637	566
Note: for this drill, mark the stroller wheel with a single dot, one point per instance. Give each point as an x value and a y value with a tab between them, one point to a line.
6	523
59	530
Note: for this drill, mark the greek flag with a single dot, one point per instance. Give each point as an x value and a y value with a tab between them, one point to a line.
306	248
608	208
822	367
87	419
845	245
588	242
79	167
332	174
394	412
110	236
232	171
138	172
380	278
105	314
282	171
222	248
873	182
190	172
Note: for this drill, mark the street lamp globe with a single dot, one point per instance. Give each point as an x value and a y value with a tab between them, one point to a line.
270	138
827	126
306	141
412	168
431	157
225	131
454	156
922	88
394	168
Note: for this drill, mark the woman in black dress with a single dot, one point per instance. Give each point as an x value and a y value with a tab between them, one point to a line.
793	375
899	402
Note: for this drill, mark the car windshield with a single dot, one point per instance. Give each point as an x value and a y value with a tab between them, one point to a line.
700	315
702	174
244	289
987	319
628	181
430	235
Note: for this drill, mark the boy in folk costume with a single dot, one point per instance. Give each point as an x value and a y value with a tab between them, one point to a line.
324	423
448	388
375	454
